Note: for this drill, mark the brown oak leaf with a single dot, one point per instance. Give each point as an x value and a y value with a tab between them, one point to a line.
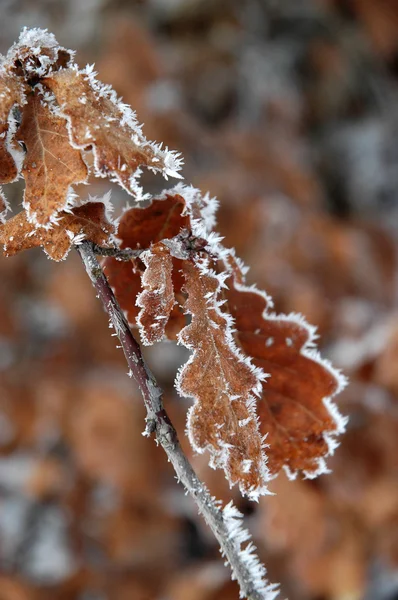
222	383
162	219
51	165
88	221
12	93
157	298
139	228
99	121
295	410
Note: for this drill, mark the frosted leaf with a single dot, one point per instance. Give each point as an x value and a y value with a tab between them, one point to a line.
12	93
109	128
84	222
223	384
295	409
141	228
36	54
157	298
51	165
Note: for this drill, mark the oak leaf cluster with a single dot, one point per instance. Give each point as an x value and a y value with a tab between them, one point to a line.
262	396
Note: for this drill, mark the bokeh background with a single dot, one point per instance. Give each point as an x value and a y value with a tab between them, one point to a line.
288	112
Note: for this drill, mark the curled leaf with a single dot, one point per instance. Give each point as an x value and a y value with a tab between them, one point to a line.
222	383
157	298
84	222
139	228
36	54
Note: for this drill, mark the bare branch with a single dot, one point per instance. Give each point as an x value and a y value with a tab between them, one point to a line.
224	523
125	254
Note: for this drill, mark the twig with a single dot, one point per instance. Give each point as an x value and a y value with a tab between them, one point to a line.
225	523
124	254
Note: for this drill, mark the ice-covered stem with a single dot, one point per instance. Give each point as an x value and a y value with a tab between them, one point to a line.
224	523
121	254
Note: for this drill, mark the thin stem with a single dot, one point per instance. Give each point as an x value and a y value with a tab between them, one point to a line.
121	254
223	523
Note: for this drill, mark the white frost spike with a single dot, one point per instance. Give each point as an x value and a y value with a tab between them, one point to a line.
39	63
4	206
172	161
256	572
12	148
201	209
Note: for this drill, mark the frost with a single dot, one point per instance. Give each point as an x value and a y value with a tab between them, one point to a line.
4	206
256	573
39	52
110	127
157	298
222	381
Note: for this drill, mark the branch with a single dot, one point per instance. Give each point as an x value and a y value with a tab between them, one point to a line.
125	254
224	523
181	246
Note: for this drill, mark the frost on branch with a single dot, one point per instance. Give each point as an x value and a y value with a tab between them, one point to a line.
222	383
256	572
295	410
157	298
89	221
51	165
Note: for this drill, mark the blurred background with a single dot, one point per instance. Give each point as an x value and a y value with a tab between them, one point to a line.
288	112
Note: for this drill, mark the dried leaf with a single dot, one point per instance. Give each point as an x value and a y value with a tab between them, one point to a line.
139	228
295	411
157	298
51	165
101	122
222	383
84	222
36	54
12	92
162	219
